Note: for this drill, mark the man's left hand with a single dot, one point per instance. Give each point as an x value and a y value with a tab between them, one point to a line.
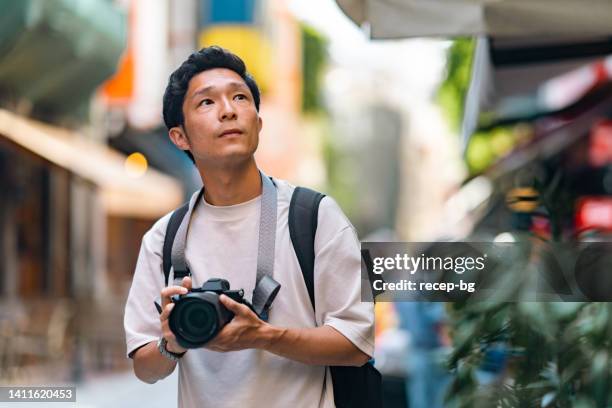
322	345
246	330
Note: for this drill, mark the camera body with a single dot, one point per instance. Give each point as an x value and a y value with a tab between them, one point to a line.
198	316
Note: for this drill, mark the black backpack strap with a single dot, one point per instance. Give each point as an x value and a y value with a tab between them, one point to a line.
354	387
303	219
173	226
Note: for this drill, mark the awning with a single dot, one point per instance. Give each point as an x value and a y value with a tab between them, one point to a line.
557	136
512	71
162	154
497	18
521	43
149	196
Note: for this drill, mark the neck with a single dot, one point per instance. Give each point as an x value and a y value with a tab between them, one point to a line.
229	186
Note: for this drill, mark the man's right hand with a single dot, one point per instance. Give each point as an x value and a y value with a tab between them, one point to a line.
167	306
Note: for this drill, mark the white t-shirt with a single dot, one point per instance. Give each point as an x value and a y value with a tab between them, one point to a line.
222	242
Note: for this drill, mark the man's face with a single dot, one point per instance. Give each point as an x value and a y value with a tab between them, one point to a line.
221	125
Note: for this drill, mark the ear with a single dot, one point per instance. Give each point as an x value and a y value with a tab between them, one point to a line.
259	123
179	138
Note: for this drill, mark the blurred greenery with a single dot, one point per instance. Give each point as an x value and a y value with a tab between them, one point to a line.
314	58
557	354
337	163
452	92
340	180
486	147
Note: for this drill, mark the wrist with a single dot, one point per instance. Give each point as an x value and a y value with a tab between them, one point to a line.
162	346
175	348
270	336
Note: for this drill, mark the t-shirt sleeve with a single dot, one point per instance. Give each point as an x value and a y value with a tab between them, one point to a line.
338	279
141	319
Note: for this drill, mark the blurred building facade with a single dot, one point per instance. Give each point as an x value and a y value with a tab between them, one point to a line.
394	158
72	210
86	164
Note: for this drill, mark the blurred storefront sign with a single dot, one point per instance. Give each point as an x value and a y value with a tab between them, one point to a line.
501	18
600	149
134	93
238	26
249	43
75	43
594	213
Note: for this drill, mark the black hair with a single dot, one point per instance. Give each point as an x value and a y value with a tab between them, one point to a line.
202	60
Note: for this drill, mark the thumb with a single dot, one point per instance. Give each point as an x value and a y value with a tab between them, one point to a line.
187	282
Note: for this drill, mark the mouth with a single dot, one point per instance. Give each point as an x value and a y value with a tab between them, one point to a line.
231	132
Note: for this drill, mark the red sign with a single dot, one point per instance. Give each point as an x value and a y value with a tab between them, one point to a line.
594	213
600	149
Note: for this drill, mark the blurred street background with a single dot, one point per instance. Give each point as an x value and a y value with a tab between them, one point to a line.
426	120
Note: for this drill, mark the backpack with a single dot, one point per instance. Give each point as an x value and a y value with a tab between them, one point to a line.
354	387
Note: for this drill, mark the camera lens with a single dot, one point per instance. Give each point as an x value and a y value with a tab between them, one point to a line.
197	321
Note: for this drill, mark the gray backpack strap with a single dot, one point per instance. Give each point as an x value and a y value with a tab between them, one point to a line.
266	288
173	226
177	253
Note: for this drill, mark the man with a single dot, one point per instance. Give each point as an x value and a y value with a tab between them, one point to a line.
211	109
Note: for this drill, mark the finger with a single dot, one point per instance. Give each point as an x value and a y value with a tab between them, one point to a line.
166	312
187	282
173	290
166	293
233	306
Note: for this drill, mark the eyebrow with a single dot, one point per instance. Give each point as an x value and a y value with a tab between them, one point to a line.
207	89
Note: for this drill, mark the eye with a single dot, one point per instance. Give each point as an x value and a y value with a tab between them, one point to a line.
205	102
241	97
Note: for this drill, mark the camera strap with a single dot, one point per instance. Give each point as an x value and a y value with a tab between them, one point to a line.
266	288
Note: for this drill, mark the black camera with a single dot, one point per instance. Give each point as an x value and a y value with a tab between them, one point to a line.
198	316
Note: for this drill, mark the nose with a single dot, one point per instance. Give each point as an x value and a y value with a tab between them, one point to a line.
227	111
